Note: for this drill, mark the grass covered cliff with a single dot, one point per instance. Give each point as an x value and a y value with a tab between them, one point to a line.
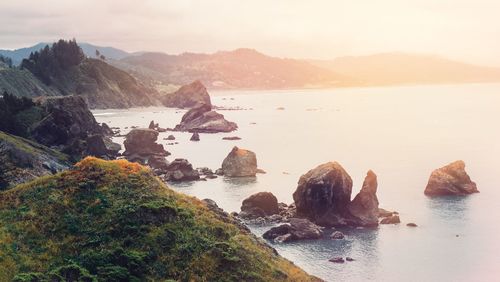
115	221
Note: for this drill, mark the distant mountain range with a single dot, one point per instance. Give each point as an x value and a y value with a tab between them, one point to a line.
18	55
402	68
249	69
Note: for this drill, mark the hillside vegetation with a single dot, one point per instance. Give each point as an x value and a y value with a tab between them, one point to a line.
114	221
64	68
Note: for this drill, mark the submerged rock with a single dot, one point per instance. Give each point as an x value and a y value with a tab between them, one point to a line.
298	229
337	260
240	163
364	207
259	205
201	118
187	96
231	138
393	219
451	179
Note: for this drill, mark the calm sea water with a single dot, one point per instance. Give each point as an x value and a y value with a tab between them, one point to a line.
402	133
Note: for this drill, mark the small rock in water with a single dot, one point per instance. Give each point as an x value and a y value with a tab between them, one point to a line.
280	108
394	219
261	171
349	259
411	224
170	137
337	235
231	138
195	137
337	260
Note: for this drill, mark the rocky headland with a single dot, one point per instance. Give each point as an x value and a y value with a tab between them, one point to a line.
187	96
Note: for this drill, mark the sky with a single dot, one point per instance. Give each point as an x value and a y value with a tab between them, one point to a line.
466	30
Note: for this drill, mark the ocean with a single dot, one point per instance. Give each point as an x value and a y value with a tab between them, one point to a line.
401	133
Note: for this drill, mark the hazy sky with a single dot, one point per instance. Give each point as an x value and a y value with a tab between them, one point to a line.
468	30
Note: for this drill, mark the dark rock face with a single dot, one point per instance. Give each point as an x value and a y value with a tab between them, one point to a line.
102	146
187	96
450	180
106	130
201	118
158	162
67	118
393	219
195	137
22	160
364	207
142	142
240	163
180	170
258	205
323	194
68	123
298	229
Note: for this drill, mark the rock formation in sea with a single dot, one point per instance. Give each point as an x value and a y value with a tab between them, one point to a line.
179	170
142	142
297	229
187	96
239	163
259	205
195	137
451	179
201	118
364	207
393	219
323	195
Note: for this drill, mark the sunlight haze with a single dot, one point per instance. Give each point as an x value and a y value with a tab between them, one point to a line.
463	30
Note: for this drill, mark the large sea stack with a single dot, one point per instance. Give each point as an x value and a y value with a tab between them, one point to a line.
323	196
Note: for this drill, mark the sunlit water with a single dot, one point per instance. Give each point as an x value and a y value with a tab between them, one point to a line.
402	133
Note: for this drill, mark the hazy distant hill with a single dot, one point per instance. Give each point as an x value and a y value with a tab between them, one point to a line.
18	55
401	68
241	68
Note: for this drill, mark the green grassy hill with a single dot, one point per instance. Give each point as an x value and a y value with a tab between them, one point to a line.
23	83
115	221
